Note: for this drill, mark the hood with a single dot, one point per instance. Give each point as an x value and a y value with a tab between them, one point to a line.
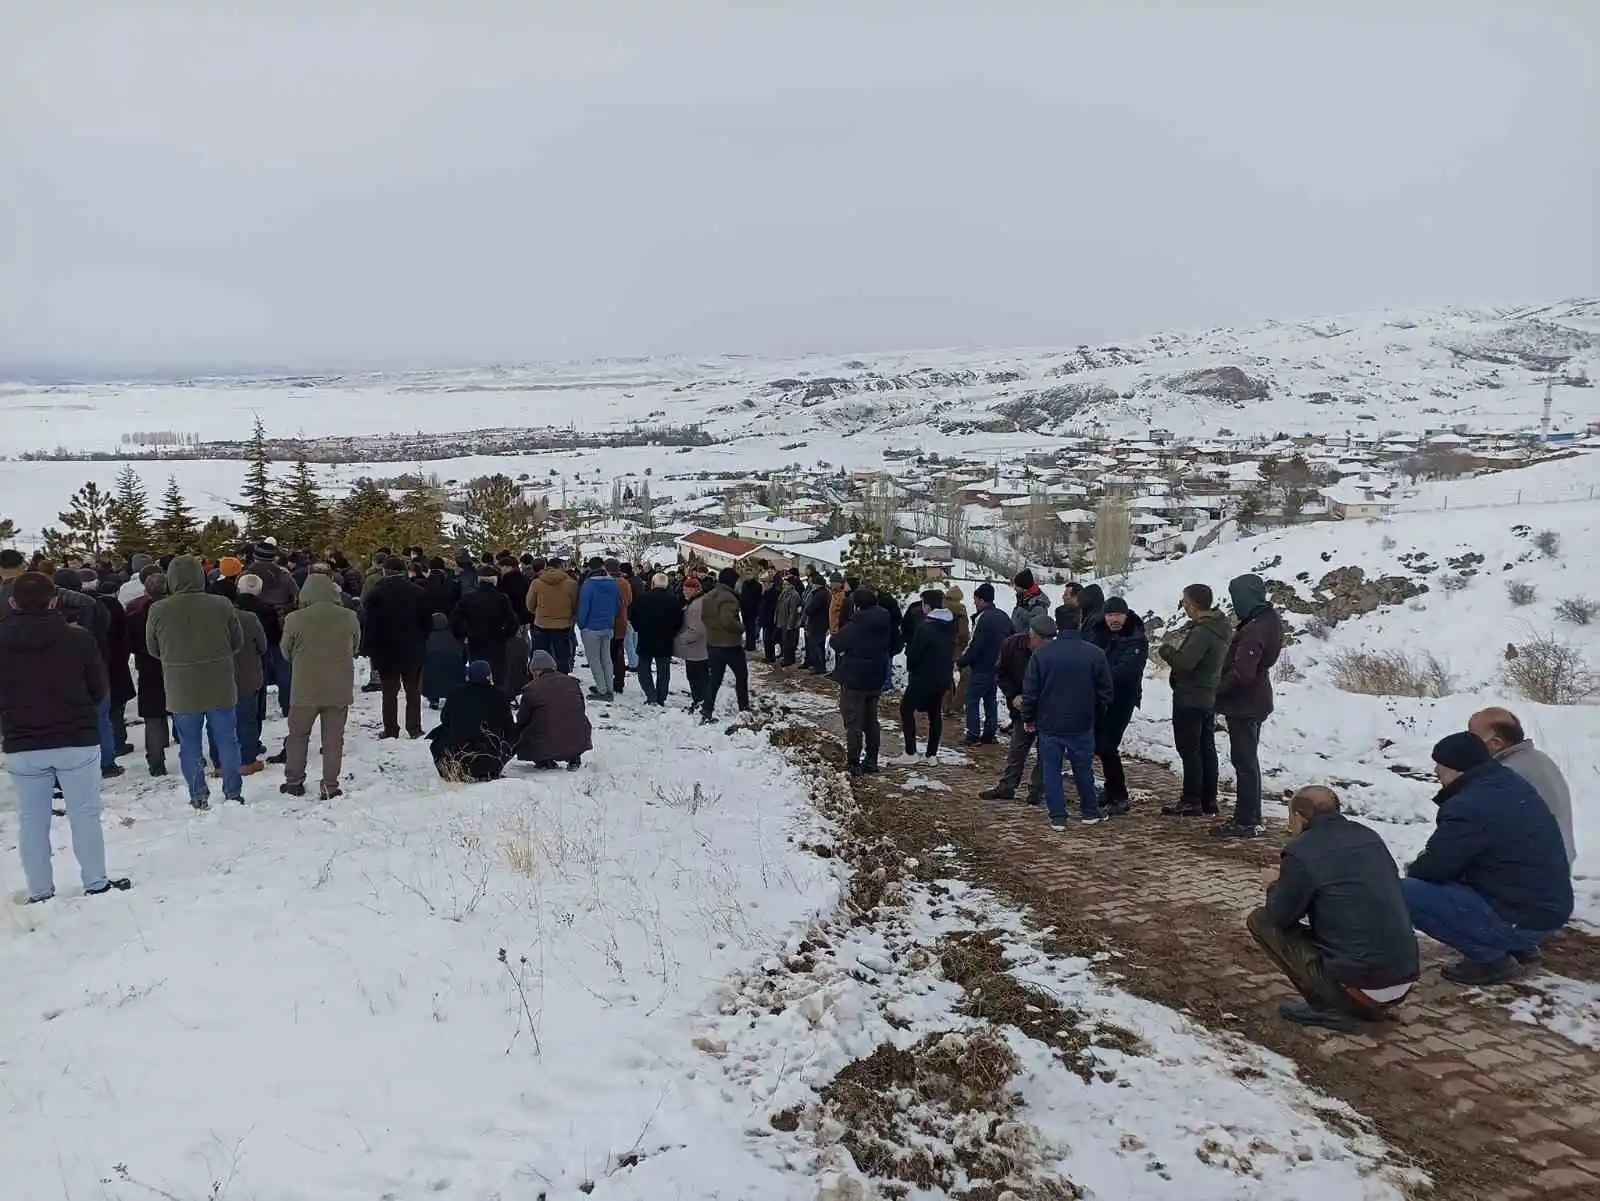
318	589
184	574
1092	599
139	563
441	622
955	606
939	615
552	575
1217	622
68	579
1249	593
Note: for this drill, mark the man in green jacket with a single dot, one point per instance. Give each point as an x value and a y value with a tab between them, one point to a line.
321	639
1195	655
196	636
724	643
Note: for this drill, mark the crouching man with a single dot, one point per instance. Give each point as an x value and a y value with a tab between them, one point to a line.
1335	920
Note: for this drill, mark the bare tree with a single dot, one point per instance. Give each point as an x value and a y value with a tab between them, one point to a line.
1113	537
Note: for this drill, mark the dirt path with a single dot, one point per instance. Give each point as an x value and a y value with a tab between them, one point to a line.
1492	1108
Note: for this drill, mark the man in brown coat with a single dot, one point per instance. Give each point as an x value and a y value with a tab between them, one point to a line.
552	606
552	723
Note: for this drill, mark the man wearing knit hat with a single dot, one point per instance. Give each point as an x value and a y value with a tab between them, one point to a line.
1493	881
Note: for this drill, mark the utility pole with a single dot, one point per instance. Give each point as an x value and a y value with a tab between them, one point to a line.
1544	422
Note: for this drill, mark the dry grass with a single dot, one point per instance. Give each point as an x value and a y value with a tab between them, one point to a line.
1390	673
1552	672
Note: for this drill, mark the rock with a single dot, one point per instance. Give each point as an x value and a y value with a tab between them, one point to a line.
711	1046
1220	383
812	1006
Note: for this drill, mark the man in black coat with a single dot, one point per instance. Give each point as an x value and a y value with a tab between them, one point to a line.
767	616
485	621
152	706
118	673
750	610
442	587
863	650
1118	632
513	584
477	734
397	627
656	617
1335	919
814	617
930	655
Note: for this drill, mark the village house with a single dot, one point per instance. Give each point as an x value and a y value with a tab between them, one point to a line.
774	530
715	550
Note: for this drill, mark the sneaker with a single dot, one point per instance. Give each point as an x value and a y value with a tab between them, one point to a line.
159	771
372	688
279	759
292	789
40	900
971	740
237	800
1465	971
251	769
1533	958
385	735
121	884
1089	819
1235	830
870	769
112	772
853	769
996	794
575	764
1304	1014
200	804
1184	808
330	792
1116	808
1060	823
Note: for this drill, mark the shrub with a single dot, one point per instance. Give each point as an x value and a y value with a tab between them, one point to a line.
1285	671
1552	672
1579	610
1454	582
1387	543
1390	673
1548	543
1318	627
1520	592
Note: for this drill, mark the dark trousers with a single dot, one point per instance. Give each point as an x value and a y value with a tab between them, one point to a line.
769	643
697	670
493	653
751	626
790	640
157	739
558	644
1244	740
1194	736
655	676
619	663
1017	759
718	660
1300	960
913	702
817	647
859	710
409	678
119	724
1108	732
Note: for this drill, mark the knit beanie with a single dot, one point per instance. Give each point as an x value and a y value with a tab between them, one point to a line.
1116	605
985	593
1023	580
1462	751
479	671
229	566
541	661
954	593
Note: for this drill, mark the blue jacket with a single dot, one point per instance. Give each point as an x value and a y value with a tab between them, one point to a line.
1497	837
1066	684
990	628
599	601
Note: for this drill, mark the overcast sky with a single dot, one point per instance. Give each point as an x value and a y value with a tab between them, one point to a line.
452	183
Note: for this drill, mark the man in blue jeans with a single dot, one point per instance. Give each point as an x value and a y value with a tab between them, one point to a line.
1067	683
981	659
1493	881
52	683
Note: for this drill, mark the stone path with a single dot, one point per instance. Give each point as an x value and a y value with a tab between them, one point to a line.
1492	1108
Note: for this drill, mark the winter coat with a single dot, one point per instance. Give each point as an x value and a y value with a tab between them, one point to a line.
552	723
1196	661
52	680
767	607
249	667
990	629
484	621
599	602
835	608
514	586
930	655
321	639
271	623
862	646
1339	875
1012	667
444	661
118	674
553	599
657	617
152	687
1495	835
897	640
1067	683
79	610
1127	651
1091	606
1538	769
625	594
398	624
196	636
690	644
814	607
444	593
720	613
476	723
786	613
278	588
1029	605
962	625
750	601
1245	689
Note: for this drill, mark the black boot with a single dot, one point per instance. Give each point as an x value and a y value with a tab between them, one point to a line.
1305	1014
1499	971
121	884
1183	807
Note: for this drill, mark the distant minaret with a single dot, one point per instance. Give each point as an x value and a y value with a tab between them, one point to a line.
1544	423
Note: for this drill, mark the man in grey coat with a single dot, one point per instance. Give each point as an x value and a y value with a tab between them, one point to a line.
1502	733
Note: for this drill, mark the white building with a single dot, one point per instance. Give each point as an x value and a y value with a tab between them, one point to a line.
775	530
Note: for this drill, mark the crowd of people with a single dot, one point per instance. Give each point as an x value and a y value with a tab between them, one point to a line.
491	644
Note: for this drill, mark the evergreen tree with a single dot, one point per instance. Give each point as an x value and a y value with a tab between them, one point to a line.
219	536
886	568
174	531
258	499
304	518
8	530
130	514
365	520
421	515
86	522
495	516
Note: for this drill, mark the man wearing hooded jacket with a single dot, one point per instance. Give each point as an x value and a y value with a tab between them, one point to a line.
1244	697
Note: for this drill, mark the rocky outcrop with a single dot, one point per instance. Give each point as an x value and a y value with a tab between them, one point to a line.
1232	384
1345	592
1051	406
1533	344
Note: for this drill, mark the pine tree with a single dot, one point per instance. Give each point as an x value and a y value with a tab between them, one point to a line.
258	499
366	520
421	515
304	518
494	515
86	522
174	531
886	568
219	536
130	514
8	530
